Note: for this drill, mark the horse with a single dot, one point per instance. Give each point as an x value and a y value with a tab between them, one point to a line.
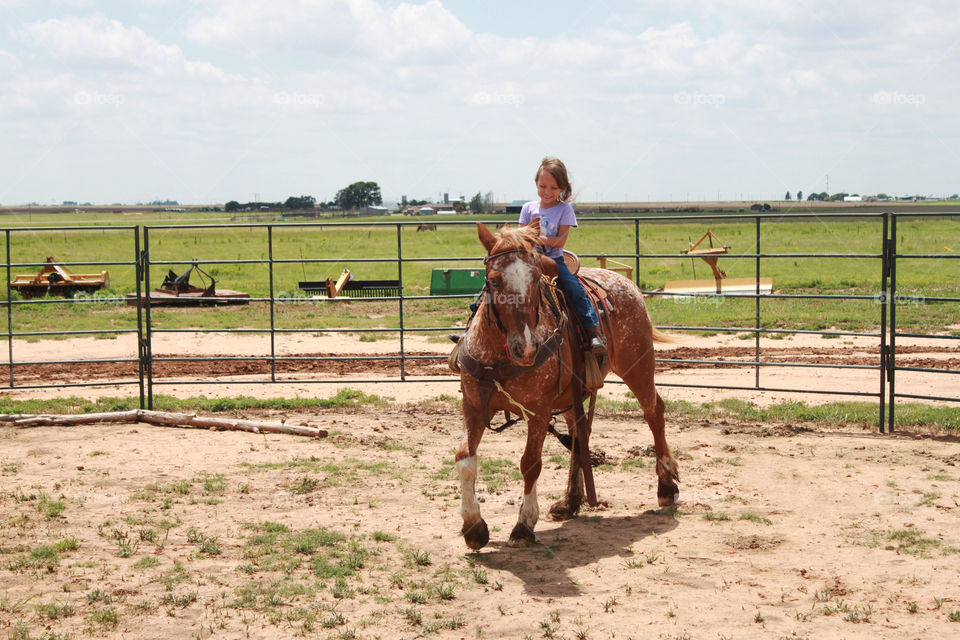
515	329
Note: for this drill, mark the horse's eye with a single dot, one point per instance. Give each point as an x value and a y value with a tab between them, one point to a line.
494	282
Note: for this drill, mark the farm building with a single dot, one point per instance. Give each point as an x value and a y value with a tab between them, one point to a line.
516	206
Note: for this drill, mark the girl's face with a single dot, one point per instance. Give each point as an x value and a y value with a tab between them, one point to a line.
548	189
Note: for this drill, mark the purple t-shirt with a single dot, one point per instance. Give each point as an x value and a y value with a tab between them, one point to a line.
551	219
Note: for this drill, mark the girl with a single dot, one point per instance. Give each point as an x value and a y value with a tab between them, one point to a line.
557	216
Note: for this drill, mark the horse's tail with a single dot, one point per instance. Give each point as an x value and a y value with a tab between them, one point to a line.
659	336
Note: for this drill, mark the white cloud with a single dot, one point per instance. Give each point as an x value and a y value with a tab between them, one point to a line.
103	42
8	62
336	28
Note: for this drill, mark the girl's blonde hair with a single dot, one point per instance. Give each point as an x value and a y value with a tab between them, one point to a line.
558	170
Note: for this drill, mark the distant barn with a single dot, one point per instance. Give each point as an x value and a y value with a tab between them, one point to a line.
516	206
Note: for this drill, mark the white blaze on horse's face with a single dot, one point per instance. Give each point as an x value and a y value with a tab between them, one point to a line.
519	283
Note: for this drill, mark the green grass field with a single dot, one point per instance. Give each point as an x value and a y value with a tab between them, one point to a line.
236	255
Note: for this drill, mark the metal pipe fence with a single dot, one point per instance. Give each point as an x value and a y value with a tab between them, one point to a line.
387	245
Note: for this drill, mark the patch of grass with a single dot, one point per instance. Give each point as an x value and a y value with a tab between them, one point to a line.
863	414
50	508
106	618
713	516
78	405
912	542
207	545
44	557
752	517
495	473
54	610
147	562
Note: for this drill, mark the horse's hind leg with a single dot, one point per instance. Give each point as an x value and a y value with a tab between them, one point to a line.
531	463
569	507
653	412
667	473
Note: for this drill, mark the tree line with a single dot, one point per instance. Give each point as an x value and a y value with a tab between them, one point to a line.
357	195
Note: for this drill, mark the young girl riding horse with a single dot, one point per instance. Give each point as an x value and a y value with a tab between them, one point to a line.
557	216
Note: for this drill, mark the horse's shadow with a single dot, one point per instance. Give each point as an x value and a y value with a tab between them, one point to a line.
544	566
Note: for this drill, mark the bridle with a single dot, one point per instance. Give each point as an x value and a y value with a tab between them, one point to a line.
489	297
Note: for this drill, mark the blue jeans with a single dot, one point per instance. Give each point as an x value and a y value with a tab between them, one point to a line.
571	285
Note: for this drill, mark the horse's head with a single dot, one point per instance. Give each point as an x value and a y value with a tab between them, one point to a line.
513	286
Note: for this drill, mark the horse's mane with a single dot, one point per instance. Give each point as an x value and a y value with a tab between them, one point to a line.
523	238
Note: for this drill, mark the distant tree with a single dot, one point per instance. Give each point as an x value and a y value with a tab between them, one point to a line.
787	197
799	196
883	196
488	200
477	204
233	205
838	196
359	194
303	202
955	196
459	206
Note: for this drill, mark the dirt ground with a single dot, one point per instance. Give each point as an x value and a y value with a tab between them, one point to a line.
784	530
138	531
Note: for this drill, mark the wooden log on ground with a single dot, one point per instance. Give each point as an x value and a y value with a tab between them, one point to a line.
164	419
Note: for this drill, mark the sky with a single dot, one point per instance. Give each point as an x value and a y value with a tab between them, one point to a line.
205	101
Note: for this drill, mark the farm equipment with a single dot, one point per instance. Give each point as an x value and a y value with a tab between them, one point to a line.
56	279
457	281
619	267
176	290
720	283
347	287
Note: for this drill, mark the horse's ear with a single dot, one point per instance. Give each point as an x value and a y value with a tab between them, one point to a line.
535	224
487	239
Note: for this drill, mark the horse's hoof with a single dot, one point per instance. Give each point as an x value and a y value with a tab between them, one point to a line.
668	499
476	535
522	536
562	510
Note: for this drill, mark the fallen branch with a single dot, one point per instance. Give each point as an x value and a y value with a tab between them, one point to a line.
161	418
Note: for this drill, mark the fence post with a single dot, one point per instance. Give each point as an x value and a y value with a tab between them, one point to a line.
9	312
147	354
138	258
892	352
273	327
403	361
883	298
756	299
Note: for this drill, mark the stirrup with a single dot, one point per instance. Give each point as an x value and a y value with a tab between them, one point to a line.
598	346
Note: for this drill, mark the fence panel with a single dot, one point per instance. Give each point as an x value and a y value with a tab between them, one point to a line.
834	276
925	273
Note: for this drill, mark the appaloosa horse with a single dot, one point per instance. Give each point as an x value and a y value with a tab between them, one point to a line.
520	361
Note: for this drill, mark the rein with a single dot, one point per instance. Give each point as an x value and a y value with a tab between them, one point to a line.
490	376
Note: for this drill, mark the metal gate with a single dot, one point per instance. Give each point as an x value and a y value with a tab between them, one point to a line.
895	291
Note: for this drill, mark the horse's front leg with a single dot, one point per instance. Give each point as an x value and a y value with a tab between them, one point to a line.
531	463
475	532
